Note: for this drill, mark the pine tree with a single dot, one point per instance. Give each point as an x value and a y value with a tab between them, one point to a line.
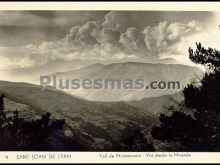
17	133
2	111
200	130
133	140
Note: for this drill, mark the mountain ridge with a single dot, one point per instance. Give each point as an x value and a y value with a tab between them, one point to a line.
128	70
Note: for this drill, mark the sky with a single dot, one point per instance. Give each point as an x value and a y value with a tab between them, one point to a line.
33	38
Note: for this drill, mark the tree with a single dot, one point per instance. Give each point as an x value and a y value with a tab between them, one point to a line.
2	111
133	140
209	57
19	134
200	130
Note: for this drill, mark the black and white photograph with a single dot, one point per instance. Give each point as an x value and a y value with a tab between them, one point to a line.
110	80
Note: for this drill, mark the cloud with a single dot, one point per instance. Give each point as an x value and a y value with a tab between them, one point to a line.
165	37
111	20
105	42
110	35
13	18
83	35
50	18
133	40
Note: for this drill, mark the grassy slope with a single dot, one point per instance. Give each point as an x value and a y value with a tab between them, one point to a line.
90	122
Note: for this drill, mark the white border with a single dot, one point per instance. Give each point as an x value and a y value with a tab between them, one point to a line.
93	157
156	6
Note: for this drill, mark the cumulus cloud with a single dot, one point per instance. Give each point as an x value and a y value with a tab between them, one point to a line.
111	20
110	35
133	41
83	35
165	37
106	41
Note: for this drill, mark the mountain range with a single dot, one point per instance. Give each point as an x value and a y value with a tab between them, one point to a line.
96	118
32	74
129	70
